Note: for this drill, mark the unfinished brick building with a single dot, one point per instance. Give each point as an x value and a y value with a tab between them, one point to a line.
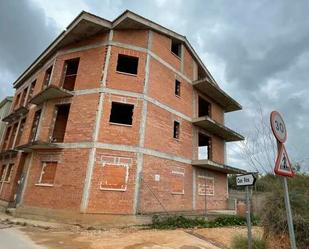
116	117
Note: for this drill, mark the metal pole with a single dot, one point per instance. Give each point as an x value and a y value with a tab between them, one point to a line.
289	214
248	218
205	194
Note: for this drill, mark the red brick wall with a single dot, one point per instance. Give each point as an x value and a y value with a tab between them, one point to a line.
132	37
217	149
66	193
217	112
109	200
8	190
118	133
93	40
188	64
161	46
89	71
81	118
218	200
159	132
162	190
124	81
163	78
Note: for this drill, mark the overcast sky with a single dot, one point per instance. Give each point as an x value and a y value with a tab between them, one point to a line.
258	51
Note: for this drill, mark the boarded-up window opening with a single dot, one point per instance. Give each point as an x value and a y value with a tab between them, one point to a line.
70	74
35	126
204	107
177	87
114	177
176	132
48	173
47	77
9	172
21	130
177	181
60	123
176	48
204	147
209	182
121	113
127	64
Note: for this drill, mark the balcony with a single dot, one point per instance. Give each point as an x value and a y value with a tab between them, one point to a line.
218	129
208	164
214	92
51	92
37	145
16	114
8	153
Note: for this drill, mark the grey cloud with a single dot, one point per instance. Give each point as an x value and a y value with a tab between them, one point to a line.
25	32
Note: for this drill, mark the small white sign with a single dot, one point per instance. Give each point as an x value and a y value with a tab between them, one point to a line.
245	180
157	178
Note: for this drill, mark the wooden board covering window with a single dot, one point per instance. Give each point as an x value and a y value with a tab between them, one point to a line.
48	173
177	181
114	177
203	181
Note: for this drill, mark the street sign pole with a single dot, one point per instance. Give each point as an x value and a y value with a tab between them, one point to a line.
289	213
249	218
246	181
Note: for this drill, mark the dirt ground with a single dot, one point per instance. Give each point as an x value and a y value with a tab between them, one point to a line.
61	236
116	239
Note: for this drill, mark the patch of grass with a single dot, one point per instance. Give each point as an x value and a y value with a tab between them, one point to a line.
173	222
241	242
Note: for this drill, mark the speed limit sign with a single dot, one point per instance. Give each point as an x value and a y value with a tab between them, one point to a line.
278	126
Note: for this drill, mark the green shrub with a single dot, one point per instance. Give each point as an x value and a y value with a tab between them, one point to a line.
231	220
173	222
241	242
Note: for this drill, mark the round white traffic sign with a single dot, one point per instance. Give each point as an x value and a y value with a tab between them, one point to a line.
278	126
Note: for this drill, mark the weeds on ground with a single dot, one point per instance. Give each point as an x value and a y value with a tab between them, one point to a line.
173	222
241	242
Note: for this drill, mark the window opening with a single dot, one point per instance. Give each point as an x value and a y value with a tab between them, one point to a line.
176	133
70	74
121	113
204	147
127	64
60	123
203	107
176	48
